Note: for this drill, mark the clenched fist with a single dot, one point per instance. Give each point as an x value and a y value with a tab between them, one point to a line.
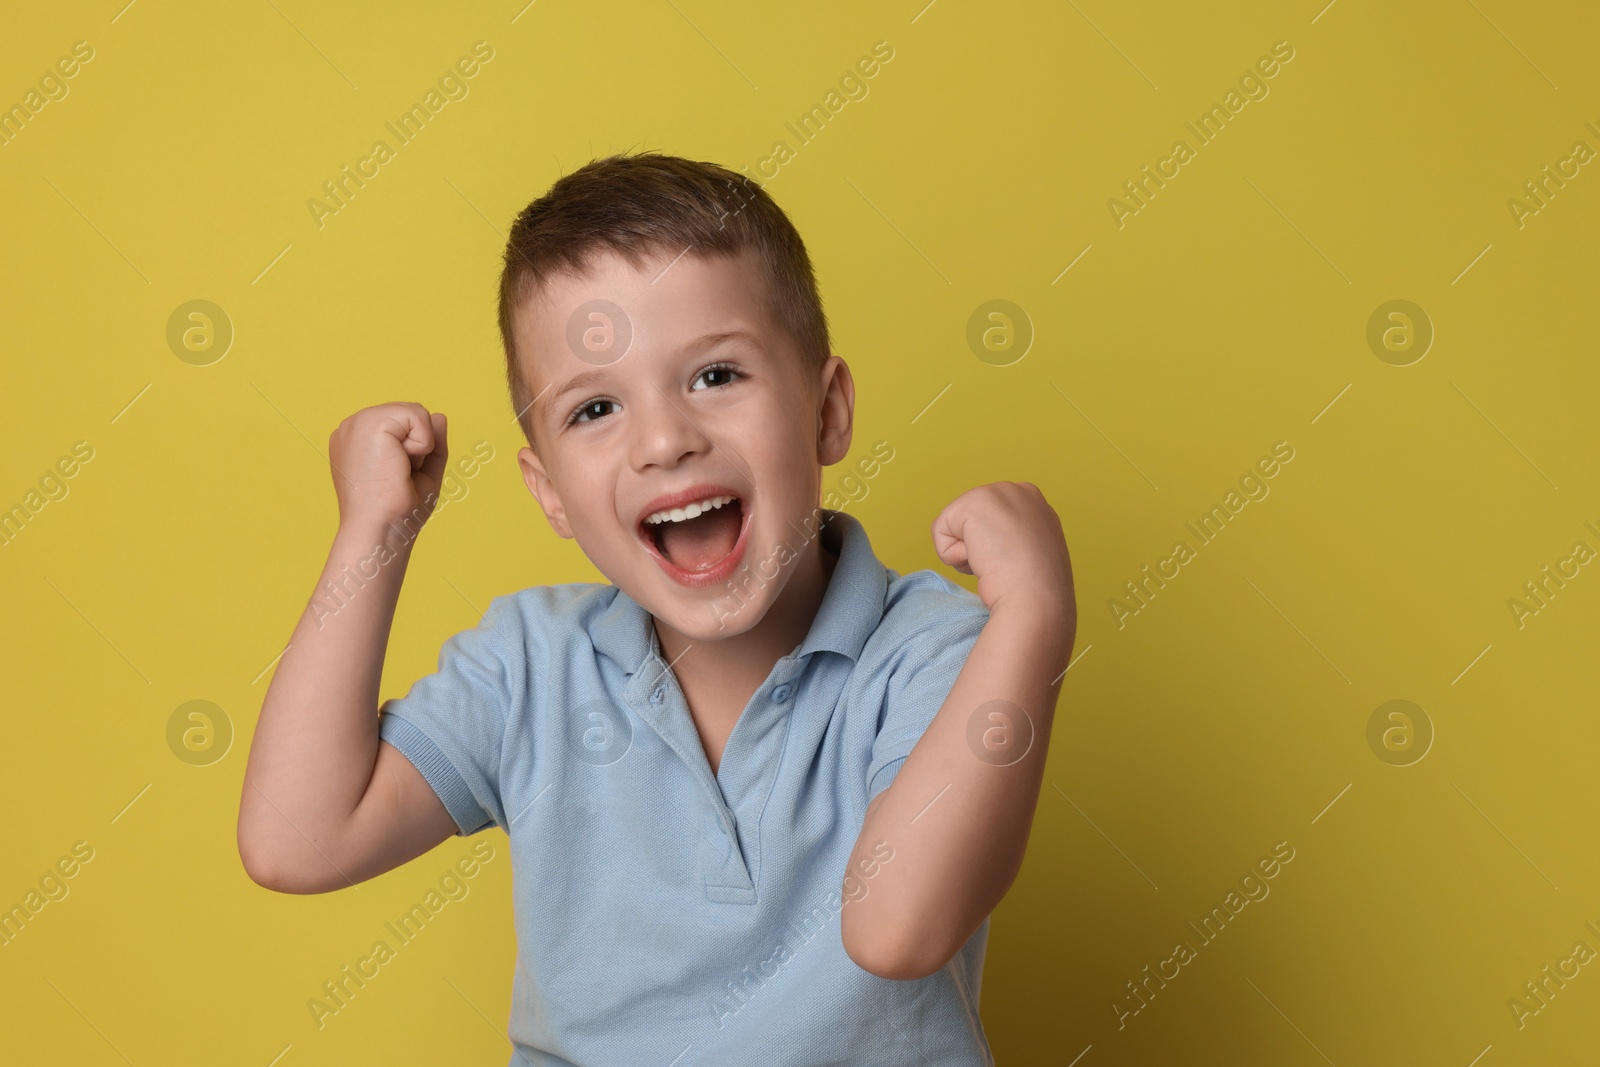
1008	535
388	461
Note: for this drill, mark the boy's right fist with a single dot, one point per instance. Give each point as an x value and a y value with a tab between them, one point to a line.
388	462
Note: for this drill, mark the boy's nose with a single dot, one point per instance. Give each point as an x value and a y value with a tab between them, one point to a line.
664	433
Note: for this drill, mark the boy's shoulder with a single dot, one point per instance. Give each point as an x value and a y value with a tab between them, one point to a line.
554	611
540	622
928	591
924	607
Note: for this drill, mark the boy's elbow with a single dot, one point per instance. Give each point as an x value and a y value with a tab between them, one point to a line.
282	879
897	970
259	871
256	860
269	872
884	958
262	871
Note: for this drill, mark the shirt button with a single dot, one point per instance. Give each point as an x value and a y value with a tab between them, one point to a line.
656	695
780	694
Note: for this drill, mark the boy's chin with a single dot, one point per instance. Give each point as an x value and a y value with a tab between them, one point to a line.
715	618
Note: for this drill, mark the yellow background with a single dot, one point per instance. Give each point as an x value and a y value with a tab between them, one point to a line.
1227	315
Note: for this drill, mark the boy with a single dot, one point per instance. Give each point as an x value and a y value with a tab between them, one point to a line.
761	792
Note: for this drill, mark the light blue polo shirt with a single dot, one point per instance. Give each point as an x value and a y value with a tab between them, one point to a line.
666	915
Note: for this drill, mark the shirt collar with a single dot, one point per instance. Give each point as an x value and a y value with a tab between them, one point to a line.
850	611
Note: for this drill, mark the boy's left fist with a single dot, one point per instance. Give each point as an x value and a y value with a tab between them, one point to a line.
1009	536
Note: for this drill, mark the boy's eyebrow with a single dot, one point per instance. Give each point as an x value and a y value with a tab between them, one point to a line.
579	381
595	377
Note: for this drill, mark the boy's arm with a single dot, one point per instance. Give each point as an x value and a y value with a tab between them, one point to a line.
325	805
942	844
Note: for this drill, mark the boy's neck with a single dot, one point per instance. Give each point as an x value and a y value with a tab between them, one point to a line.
752	653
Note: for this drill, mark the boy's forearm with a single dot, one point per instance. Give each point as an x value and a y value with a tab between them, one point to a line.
317	738
957	816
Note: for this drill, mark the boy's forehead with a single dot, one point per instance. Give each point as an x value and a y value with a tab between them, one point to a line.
577	320
660	279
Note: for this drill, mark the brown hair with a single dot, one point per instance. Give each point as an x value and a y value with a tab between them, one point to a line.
636	205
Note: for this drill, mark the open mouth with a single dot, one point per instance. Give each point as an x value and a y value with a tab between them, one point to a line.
699	543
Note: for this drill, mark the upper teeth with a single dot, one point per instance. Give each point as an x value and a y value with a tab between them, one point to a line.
688	511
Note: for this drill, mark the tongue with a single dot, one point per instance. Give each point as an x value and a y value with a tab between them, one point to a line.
702	542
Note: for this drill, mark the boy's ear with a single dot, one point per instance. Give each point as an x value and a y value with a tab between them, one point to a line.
836	411
544	491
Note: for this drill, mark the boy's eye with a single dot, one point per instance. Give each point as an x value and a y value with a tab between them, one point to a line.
725	370
589	410
718	376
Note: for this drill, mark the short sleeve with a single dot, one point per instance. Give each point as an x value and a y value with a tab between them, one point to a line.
451	724
922	678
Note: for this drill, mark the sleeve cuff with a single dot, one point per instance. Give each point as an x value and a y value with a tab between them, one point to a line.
884	778
437	770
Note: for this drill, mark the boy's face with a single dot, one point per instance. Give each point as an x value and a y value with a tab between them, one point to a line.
690	386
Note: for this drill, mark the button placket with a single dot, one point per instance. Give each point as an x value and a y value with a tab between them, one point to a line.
667	713
754	754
